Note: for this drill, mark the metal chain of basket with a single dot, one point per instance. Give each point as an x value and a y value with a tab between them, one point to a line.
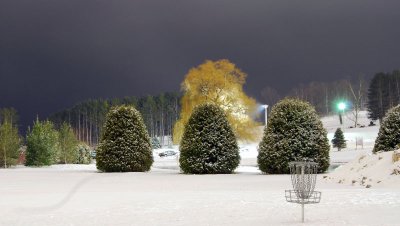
304	176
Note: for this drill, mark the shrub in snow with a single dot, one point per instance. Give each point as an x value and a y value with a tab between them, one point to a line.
389	132
294	133
42	147
125	144
68	143
9	144
338	140
208	145
155	143
83	154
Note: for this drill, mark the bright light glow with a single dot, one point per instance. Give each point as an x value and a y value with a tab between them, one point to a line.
341	106
237	110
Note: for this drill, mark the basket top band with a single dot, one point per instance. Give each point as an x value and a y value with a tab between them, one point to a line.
302	164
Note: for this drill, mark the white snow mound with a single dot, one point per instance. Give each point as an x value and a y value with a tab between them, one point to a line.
369	170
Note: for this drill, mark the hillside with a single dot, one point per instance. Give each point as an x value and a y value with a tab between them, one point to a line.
369	170
366	135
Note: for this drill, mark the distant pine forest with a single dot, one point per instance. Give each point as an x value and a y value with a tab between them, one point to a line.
159	113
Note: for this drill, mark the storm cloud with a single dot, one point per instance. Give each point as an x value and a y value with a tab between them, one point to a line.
54	53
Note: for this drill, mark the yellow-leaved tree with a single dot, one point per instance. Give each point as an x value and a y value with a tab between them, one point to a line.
219	82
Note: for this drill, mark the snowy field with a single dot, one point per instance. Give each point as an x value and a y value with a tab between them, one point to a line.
79	195
75	195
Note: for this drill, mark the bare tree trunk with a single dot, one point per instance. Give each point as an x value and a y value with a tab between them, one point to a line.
65	154
97	131
162	126
176	109
326	101
380	101
151	125
357	97
87	128
398	91
5	156
79	126
390	96
90	132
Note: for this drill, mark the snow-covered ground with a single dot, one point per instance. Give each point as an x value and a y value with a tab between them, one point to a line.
68	195
367	134
369	170
79	195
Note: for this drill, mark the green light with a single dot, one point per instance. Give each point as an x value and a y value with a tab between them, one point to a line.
342	106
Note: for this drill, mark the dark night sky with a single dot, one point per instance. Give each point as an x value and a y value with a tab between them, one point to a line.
54	53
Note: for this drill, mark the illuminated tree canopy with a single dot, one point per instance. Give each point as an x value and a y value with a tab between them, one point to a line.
221	83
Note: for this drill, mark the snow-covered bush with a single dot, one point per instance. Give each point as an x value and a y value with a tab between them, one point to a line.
155	143
83	154
294	133
125	144
389	132
208	144
338	140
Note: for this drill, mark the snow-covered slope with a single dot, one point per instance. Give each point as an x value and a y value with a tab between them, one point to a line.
359	167
369	170
367	133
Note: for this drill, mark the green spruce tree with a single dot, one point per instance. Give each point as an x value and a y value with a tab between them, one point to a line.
294	133
208	144
125	144
68	144
42	144
338	140
389	132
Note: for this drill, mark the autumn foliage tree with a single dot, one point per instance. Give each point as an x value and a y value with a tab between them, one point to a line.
220	83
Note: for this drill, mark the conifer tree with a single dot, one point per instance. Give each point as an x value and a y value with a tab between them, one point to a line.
125	144
377	96
294	133
338	140
42	144
389	132
208	145
68	144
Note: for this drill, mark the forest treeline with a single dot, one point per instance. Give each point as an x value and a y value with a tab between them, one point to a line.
159	112
324	95
383	94
376	95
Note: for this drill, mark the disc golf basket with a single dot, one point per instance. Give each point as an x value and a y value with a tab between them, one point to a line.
304	176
